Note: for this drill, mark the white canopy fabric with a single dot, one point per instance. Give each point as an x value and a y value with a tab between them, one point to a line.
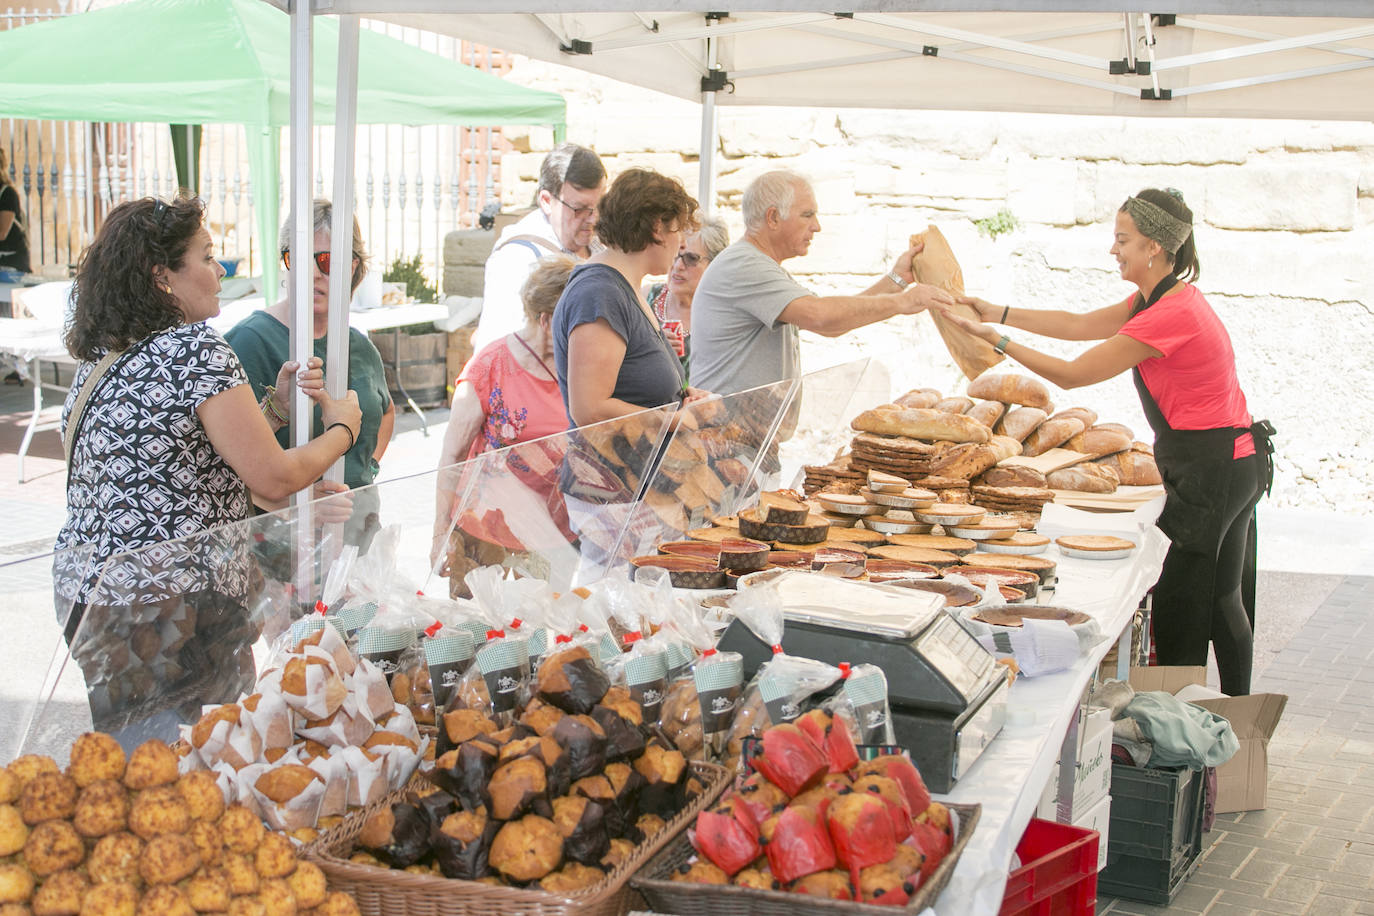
1098	59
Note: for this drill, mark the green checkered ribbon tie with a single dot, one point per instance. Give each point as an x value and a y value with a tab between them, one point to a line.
456	647
378	640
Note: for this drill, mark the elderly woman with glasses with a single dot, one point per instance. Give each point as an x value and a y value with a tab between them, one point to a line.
672	301
262	342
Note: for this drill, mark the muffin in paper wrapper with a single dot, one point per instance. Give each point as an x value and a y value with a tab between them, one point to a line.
369	687
293	814
400	722
323	633
369	772
311	685
236	743
334	771
272	719
346	725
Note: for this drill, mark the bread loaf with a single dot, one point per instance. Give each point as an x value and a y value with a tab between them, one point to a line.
1099	441
957	404
1088	416
1121	428
920	397
921	424
1136	469
971	459
1086	477
1011	389
1144	448
1020	422
1051	434
1012	476
987	412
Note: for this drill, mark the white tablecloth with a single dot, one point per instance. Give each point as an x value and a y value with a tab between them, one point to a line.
1007	780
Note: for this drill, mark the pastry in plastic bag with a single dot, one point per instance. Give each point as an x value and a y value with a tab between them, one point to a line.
571	680
462	844
582	823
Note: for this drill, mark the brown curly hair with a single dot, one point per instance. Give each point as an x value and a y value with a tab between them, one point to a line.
638	203
116	301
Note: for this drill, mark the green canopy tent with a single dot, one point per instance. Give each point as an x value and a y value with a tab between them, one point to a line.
228	61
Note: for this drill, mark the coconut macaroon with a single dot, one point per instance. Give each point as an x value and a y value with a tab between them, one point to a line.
95	756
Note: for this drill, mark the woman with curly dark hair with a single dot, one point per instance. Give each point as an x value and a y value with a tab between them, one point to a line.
610	352
164	440
1212	456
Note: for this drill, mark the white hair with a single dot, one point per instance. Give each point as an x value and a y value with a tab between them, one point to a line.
771	189
715	236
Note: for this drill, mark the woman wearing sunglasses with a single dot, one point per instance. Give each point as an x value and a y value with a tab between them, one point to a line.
672	301
164	439
262	342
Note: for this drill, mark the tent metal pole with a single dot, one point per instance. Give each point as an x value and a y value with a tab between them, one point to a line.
341	232
300	293
706	162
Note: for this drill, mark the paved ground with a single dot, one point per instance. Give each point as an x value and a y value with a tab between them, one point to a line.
1310	852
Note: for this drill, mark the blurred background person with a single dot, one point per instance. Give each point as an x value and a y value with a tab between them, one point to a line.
672	299
14	243
262	342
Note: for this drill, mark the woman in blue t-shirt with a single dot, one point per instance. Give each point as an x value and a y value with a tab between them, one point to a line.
610	352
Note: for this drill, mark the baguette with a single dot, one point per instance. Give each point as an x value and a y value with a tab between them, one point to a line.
987	412
920	397
1098	441
1086	478
1011	389
1020	422
1012	476
956	404
916	423
1051	434
1119	427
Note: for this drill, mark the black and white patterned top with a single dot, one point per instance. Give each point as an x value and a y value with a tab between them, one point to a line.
143	472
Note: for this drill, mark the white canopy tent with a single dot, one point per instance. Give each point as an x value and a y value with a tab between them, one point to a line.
1220	58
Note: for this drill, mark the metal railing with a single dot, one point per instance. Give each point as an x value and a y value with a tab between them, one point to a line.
414	184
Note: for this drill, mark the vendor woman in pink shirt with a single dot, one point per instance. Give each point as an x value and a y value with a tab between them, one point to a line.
1214	460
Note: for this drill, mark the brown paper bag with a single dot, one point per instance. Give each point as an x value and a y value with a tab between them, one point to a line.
937	266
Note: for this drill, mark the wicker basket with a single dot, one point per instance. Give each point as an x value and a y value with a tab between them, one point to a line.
687	899
388	892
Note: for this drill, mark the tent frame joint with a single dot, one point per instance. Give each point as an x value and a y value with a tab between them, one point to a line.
576	46
1149	95
1125	65
715	80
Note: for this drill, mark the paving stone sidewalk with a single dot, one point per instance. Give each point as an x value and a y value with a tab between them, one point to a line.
1312	850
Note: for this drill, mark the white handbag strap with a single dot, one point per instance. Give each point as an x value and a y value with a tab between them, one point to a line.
79	405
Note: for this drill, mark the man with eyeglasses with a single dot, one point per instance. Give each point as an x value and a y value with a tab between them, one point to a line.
748	310
571	182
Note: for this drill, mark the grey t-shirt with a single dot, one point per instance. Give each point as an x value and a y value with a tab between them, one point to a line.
650	375
737	341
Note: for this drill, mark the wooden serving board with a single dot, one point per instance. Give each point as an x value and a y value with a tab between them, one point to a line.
1052	460
1125	499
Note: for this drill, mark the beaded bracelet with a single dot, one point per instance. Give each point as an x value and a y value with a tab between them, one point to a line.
269	407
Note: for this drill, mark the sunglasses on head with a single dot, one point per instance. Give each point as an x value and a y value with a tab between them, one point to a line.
691	258
321	260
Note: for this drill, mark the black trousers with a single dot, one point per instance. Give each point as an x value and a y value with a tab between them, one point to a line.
1206	597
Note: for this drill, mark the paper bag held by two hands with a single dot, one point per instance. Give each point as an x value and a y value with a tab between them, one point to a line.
937	266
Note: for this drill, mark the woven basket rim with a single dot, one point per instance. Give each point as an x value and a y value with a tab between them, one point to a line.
323	851
729	898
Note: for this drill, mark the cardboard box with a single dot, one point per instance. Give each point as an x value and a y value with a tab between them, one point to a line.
1243	781
1098	818
1093	776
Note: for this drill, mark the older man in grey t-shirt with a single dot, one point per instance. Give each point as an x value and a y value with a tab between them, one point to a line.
747	309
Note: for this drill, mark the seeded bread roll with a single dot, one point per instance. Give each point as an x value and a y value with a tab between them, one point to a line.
1020	422
1086	477
1051	434
1098	441
1010	389
921	424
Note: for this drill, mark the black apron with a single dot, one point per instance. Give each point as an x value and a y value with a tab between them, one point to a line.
1195	464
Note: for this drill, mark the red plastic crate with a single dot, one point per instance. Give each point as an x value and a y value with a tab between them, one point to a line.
1058	875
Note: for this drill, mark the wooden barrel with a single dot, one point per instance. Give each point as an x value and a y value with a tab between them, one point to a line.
414	360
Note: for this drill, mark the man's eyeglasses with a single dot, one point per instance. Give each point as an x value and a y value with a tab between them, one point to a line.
691	258
577	212
321	260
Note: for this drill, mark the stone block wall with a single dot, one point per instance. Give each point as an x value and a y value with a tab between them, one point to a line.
1284	220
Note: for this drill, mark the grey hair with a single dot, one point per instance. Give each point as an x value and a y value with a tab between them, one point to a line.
715	236
771	189
323	220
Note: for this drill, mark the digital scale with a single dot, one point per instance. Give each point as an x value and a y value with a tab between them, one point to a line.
947	694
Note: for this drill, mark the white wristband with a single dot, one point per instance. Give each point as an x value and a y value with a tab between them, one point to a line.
895	278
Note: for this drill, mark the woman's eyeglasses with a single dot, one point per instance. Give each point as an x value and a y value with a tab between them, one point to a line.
321	260
691	258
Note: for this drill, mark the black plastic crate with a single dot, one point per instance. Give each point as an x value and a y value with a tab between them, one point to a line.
1155	836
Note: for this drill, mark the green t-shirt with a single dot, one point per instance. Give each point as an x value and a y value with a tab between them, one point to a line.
263	344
